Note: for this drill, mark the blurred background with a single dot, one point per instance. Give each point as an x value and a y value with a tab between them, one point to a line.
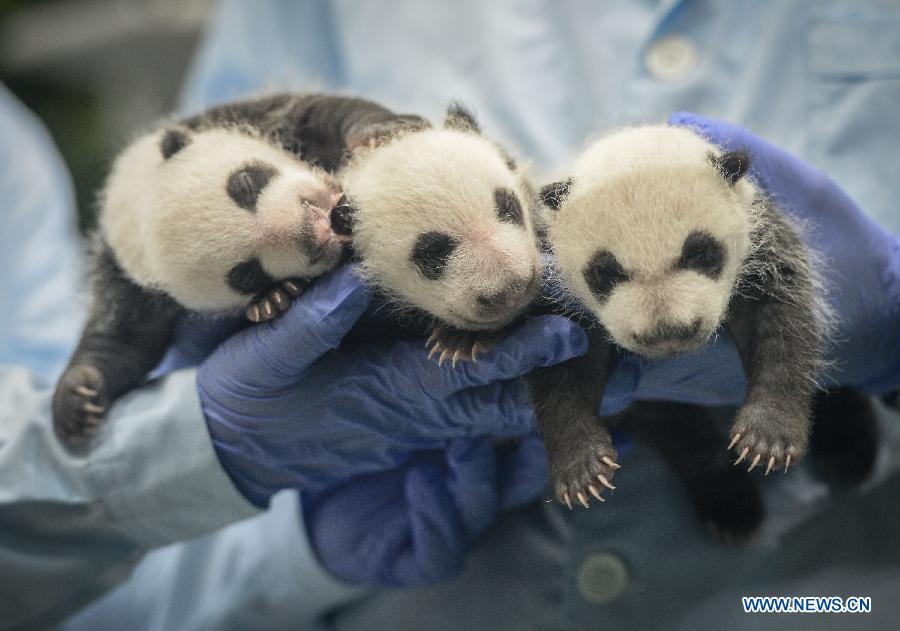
97	72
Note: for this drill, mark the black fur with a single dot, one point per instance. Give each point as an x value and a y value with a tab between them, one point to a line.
602	273
732	165
128	331
245	185
173	141
702	253
249	278
460	118
508	207
320	128
555	193
431	252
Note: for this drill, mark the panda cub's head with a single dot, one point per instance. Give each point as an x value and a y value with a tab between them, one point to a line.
214	217
442	221
651	233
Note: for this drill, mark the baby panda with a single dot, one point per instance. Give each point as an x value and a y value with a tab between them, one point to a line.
443	223
213	221
662	238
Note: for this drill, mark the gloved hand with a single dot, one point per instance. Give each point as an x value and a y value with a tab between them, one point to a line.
287	410
861	272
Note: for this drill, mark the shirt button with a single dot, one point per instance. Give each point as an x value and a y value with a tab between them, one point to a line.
671	58
602	577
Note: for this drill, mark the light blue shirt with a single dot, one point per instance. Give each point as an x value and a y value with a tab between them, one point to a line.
820	79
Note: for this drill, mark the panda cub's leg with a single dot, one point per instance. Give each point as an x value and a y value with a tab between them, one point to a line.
566	400
127	332
270	304
457	345
689	438
777	335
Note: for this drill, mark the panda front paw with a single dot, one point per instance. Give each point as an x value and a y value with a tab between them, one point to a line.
271	304
456	345
80	402
763	435
583	469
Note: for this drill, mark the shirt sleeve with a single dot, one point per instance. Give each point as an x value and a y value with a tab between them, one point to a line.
72	525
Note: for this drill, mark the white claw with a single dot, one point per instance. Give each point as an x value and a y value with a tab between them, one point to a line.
456	357
444	355
432	337
85	391
734	440
434	350
595	492
253	313
267	308
567	501
605	482
582	499
609	462
90	408
742	456
787	462
755	462
771	464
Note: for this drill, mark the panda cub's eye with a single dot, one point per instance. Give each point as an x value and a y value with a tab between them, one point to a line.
602	273
431	252
245	185
702	253
508	208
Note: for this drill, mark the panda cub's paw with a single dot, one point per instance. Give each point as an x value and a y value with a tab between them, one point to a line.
584	468
79	403
456	345
271	304
764	435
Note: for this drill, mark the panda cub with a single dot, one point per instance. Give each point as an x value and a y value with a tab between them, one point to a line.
443	223
211	221
660	235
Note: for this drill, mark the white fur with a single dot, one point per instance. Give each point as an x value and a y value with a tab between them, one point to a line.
638	193
174	228
441	180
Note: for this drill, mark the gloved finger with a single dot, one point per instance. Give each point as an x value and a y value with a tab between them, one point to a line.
276	353
502	409
436	540
542	341
522	472
472	482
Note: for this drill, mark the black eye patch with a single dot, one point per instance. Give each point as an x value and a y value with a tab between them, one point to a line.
431	252
702	253
602	273
249	278
173	141
245	184
508	208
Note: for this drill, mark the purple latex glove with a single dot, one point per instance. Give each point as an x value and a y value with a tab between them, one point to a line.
287	409
862	273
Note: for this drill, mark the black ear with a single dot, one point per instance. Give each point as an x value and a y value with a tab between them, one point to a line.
173	141
555	193
374	134
458	117
732	165
342	217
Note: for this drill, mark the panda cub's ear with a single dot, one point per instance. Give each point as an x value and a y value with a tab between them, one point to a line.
461	119
732	165
555	193
173	140
375	134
